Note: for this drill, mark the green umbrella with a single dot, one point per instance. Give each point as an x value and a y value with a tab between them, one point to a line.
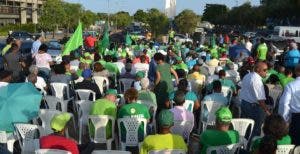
19	102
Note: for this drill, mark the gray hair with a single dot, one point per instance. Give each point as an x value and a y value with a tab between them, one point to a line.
144	83
33	69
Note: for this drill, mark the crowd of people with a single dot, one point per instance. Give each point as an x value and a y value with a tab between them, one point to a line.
259	86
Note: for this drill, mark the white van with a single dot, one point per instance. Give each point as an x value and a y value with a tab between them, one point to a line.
287	32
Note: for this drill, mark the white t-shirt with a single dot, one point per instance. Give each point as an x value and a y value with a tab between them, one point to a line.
141	67
42	60
252	88
248	46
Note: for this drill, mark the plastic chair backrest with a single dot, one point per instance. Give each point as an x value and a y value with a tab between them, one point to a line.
227	92
51	151
3	137
100	122
26	134
285	149
102	82
125	84
110	152
53	101
171	151
131	125
46	116
83	109
211	69
241	125
210	107
223	149
84	94
152	108
60	90
297	150
183	128
188	105
275	94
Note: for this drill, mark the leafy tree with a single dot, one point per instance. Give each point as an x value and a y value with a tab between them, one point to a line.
157	21
73	13
53	14
140	16
88	18
122	19
215	13
186	21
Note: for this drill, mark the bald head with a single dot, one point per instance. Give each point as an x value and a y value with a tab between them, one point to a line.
261	69
297	70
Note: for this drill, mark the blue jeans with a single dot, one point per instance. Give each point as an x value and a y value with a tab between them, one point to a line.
255	112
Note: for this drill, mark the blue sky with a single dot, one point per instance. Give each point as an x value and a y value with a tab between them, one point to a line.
132	5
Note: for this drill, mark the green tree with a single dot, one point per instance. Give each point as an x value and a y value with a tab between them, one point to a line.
53	15
186	21
122	19
215	13
157	21
88	18
73	13
140	16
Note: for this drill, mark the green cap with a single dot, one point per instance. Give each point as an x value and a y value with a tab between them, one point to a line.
223	114
178	58
111	92
166	118
87	54
59	121
140	74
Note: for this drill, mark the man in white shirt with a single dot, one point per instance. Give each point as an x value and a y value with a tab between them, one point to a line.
248	44
253	97
5	78
289	106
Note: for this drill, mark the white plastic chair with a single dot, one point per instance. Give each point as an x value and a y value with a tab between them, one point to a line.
100	122
53	101
51	151
83	108
3	137
227	92
131	125
151	108
26	134
102	82
9	139
189	105
84	94
241	125
275	94
46	116
285	149
183	128
209	108
223	149
297	150
125	84
110	152
171	151
60	90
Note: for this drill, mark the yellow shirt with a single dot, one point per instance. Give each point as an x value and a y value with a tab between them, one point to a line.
213	62
197	76
163	142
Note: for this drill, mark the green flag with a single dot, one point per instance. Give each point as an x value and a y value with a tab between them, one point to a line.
104	43
75	41
128	40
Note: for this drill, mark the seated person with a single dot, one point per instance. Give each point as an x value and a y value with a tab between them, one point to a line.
164	139
57	140
195	74
274	125
268	145
127	72
88	84
217	95
179	111
138	77
105	106
146	93
99	70
226	82
133	110
221	135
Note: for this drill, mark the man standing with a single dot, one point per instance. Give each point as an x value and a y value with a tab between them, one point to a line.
289	106
90	42
292	57
262	50
9	41
253	96
36	45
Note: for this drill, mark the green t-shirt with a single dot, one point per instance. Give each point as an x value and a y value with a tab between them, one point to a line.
262	50
133	110
286	81
162	142
111	67
181	66
147	95
284	141
104	107
214	137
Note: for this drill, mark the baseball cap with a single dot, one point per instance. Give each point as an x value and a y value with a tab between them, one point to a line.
140	74
87	73
166	118
111	92
224	114
59	121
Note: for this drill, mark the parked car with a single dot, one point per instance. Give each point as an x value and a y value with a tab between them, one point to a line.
22	35
182	38
54	49
250	34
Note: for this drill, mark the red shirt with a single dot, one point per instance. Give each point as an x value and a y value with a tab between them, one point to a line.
58	142
90	41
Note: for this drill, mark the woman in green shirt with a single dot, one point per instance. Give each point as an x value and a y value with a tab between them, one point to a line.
163	81
276	127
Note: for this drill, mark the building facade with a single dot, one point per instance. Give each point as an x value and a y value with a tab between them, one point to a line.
19	11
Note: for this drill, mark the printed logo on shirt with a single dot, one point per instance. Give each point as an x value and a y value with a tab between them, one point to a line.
132	110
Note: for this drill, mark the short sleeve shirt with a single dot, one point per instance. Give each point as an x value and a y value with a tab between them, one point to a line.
262	50
42	60
284	141
252	88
